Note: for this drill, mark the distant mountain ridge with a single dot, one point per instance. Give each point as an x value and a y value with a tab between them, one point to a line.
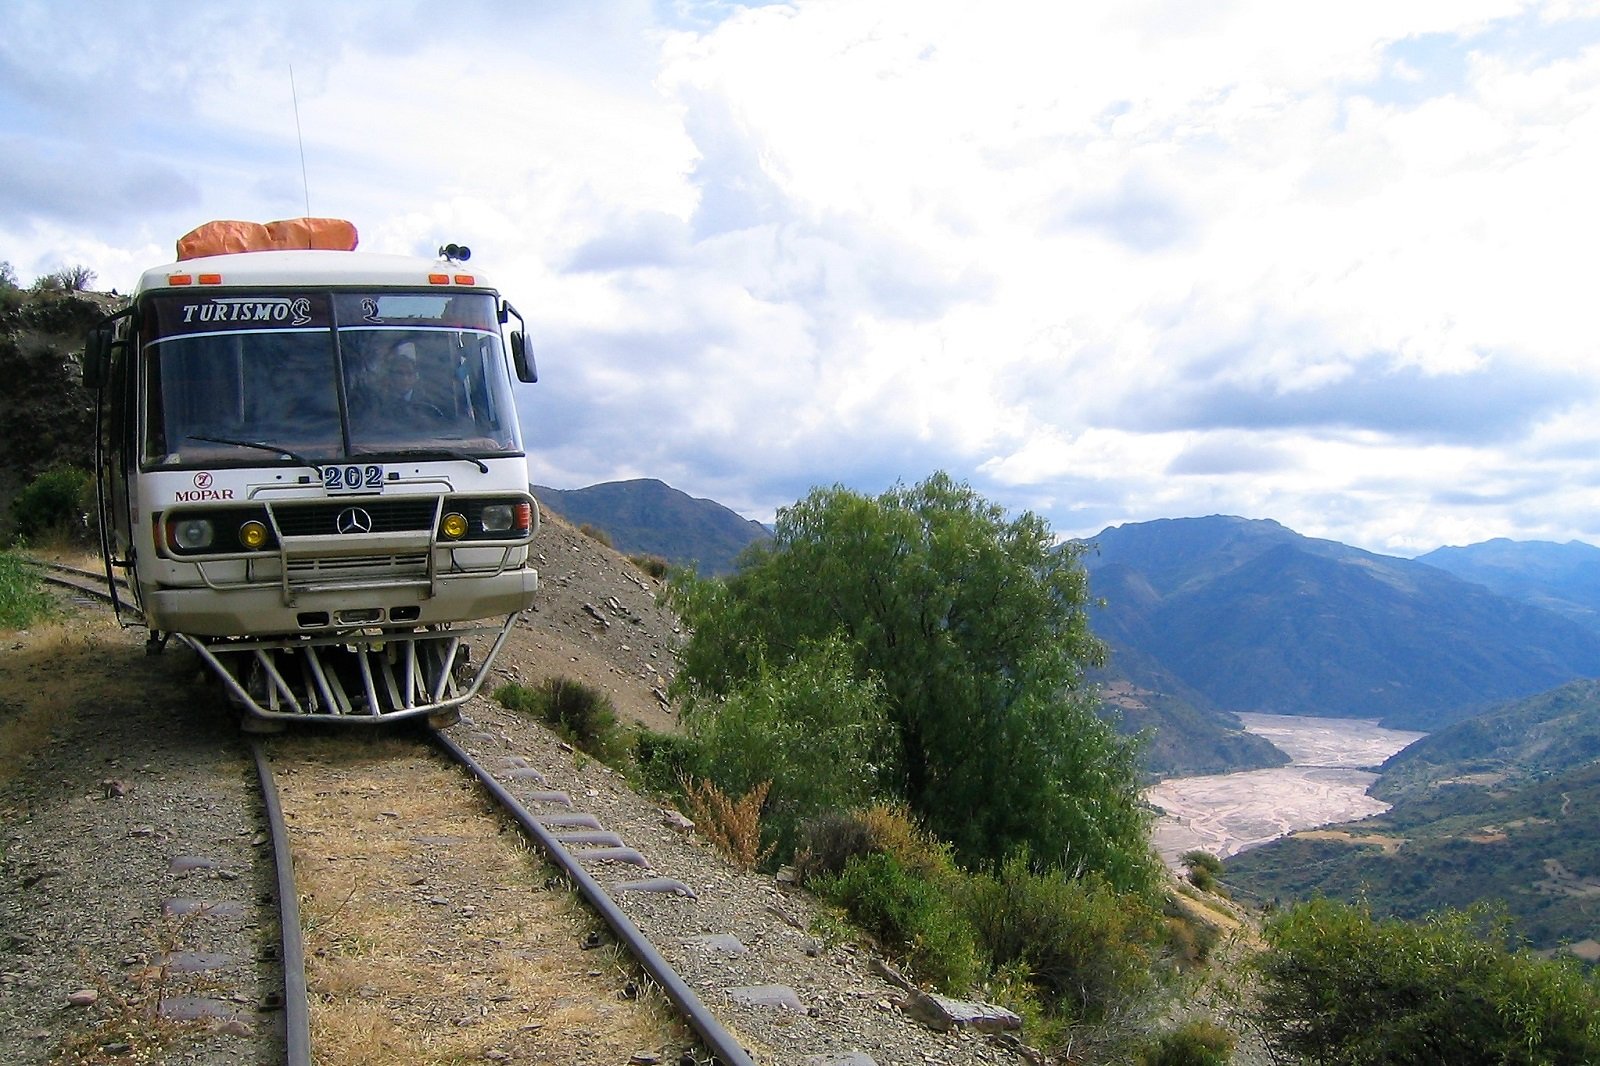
1562	577
649	517
1255	617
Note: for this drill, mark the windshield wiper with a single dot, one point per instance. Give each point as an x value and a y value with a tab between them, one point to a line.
424	453
258	446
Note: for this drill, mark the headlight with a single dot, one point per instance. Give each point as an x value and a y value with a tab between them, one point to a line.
192	534
498	517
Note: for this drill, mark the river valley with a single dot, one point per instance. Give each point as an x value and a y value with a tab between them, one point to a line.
1326	781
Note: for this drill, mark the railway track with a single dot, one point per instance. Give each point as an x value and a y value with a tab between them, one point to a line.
89	584
294	773
439	926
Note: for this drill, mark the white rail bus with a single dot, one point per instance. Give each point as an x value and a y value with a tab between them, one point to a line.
310	470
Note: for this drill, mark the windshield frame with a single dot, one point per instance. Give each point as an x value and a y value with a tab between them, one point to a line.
267	376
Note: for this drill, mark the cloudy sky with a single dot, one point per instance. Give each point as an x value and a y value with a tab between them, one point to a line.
1330	264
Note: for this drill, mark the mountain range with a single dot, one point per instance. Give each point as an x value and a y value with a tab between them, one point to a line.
1231	614
649	517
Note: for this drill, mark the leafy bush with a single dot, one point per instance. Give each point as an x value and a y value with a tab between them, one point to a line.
909	915
1340	987
810	727
21	599
582	715
1191	941
1195	1043
56	505
1204	869
664	761
596	534
654	565
828	842
895	832
1087	945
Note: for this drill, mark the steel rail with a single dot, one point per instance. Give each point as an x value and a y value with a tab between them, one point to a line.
717	1039
74	579
296	1000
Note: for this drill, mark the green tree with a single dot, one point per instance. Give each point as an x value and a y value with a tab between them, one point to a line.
976	627
1341	988
809	726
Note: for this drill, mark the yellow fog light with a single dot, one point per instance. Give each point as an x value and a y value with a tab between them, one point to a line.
252	534
454	526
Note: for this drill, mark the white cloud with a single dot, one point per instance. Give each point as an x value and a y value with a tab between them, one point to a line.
1321	265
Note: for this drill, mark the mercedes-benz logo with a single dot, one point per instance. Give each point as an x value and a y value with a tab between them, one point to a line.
354	520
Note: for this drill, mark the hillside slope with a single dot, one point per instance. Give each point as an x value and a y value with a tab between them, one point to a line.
1544	735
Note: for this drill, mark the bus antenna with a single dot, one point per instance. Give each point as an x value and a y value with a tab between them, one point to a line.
299	136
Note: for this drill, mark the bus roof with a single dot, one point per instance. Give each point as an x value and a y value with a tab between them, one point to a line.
309	268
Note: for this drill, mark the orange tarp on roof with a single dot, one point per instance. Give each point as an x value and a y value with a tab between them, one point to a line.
330	234
224	236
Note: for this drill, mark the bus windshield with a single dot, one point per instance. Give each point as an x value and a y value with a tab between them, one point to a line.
240	378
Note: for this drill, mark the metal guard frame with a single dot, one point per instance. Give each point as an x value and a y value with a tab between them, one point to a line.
421	682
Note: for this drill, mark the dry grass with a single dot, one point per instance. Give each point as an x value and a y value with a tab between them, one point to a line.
75	652
131	1030
429	936
734	826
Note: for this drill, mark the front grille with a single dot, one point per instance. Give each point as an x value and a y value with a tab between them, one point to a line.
403	565
321	518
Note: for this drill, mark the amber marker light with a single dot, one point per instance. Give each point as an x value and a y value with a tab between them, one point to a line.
466	279
211	279
180	279
438	279
253	535
454	525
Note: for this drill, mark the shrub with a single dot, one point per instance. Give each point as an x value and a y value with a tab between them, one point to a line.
895	832
1204	869
1085	944
654	565
1340	987
596	534
909	916
582	714
56	505
1191	941
21	599
1195	1043
734	826
828	842
663	761
811	728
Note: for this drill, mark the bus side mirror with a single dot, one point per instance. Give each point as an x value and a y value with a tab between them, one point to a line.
522	358
95	358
